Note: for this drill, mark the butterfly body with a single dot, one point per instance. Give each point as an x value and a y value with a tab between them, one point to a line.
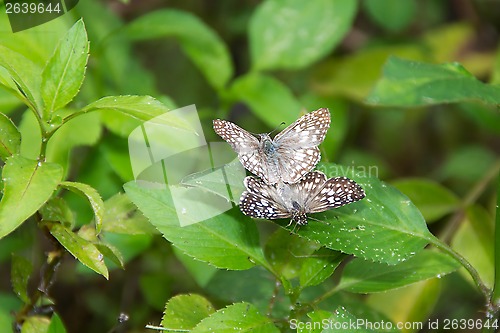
285	158
312	194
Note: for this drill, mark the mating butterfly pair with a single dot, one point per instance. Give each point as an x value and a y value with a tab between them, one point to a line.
288	189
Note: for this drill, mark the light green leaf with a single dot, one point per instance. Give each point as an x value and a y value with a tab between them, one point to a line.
57	209
319	266
28	184
384	226
140	107
25	77
269	99
228	241
432	199
36	324
63	75
201	44
241	317
111	252
411	83
340	320
81	249
20	273
361	276
293	34
393	15
184	312
56	325
10	138
474	240
92	196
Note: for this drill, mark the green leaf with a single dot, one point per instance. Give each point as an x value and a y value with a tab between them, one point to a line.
393	15
361	276
293	34
319	266
21	271
111	252
92	196
201	44
81	249
432	199
140	107
10	138
411	83
228	241
241	317
340	320
199	270
63	75
56	325
28	184
384	226
25	77
474	240
36	324
264	94
184	312
122	216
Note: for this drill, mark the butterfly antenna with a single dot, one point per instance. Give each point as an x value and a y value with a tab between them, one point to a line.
277	128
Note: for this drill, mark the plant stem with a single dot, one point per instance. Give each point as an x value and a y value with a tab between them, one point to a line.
495	299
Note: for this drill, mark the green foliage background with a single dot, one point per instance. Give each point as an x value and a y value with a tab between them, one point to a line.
413	89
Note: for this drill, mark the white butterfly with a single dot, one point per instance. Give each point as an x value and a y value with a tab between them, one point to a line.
288	157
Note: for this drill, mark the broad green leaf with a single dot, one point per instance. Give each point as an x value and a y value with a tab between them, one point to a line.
25	76
21	271
293	34
269	99
319	266
57	209
240	317
474	240
184	312
110	252
393	15
361	276
432	199
36	324
156	288
340	320
410	304
81	249
10	138
411	83
140	107
92	196
63	75
121	216
467	164
384	226
201	44
56	325
28	184
228	241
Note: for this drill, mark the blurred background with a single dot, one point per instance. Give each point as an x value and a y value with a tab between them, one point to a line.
445	157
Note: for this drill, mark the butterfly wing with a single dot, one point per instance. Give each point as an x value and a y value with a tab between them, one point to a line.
294	164
262	201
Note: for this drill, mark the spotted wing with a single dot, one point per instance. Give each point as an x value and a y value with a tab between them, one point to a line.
262	201
294	164
243	143
335	192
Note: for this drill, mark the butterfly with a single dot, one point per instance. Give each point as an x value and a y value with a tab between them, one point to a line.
314	193
288	157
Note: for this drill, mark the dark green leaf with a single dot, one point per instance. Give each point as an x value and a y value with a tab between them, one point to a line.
81	249
21	271
202	45
338	321
28	184
63	75
294	34
411	83
361	276
393	15
269	99
10	138
319	266
184	312
241	317
92	196
432	199
57	210
226	241
56	325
